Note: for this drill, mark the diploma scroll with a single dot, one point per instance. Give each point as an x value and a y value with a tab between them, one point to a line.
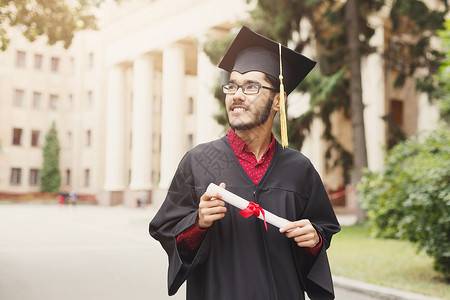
241	203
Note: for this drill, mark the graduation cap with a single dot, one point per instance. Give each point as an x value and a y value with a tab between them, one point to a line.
251	51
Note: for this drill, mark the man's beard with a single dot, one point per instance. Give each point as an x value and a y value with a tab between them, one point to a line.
261	117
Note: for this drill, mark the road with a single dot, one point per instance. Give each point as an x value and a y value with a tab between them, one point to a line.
86	252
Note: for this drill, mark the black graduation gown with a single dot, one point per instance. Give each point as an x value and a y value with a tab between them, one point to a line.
238	258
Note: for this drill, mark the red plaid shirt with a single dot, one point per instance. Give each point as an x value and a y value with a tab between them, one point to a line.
192	237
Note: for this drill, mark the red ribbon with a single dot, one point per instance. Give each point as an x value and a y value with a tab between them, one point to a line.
253	209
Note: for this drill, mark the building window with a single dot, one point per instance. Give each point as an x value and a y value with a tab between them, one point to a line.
72	65
37	100
68	177
20	59
397	112
70	103
190	141
91	60
34	177
19	97
88	138
190	106
131	140
395	132
156	104
38	61
54	67
69	140
17	136
90	99
87	175
16	176
35	138
155	142
54	102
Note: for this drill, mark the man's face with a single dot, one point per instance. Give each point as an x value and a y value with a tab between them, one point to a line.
245	112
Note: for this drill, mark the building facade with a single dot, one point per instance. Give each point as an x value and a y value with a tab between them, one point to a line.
130	99
40	85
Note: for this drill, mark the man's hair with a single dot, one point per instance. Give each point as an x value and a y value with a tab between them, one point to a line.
275	83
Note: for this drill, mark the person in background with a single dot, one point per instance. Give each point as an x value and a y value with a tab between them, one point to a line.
73	197
143	196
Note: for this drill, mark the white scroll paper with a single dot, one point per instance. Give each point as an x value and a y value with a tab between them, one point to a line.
241	203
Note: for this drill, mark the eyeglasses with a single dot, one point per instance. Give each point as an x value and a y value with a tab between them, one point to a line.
248	89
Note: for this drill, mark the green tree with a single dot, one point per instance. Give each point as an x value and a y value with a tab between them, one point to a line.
50	174
59	20
443	78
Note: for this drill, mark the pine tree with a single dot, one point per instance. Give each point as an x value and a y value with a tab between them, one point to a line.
50	174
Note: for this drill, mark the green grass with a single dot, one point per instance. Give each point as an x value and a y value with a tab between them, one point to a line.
354	254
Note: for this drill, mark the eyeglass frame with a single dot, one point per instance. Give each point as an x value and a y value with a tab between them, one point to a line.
242	87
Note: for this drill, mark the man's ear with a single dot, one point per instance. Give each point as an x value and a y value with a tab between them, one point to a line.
276	102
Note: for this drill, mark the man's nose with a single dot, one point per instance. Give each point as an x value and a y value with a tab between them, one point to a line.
239	93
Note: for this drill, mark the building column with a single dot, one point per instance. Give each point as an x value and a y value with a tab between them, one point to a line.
173	139
142	119
314	146
207	128
427	114
115	136
373	86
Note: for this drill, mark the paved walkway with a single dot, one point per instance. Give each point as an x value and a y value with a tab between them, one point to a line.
88	252
73	253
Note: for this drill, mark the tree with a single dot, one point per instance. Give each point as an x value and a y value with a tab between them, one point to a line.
441	90
356	102
50	174
56	19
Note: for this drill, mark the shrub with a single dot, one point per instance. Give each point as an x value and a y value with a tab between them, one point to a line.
410	197
50	174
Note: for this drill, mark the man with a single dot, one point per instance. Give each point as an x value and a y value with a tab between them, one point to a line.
221	254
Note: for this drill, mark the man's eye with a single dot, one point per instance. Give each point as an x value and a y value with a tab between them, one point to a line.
252	87
230	87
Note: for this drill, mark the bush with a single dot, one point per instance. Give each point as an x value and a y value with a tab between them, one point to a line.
50	174
410	197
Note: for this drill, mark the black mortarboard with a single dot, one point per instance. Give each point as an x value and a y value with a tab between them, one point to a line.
251	51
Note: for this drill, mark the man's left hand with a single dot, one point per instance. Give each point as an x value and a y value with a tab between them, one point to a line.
303	233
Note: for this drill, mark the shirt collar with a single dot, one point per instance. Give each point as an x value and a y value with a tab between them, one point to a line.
239	146
236	143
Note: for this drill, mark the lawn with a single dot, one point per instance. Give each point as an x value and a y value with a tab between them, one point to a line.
354	254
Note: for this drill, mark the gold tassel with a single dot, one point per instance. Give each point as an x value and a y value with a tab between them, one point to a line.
284	137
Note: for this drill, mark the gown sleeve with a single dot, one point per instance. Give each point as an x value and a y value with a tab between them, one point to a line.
321	214
177	213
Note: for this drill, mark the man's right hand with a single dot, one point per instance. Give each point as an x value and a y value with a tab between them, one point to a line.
210	208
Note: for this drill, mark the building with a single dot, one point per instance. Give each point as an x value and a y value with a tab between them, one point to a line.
130	99
40	85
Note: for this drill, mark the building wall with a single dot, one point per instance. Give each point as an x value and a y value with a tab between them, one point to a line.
63	100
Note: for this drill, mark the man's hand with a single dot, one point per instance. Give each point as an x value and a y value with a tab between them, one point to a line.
210	208
303	233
